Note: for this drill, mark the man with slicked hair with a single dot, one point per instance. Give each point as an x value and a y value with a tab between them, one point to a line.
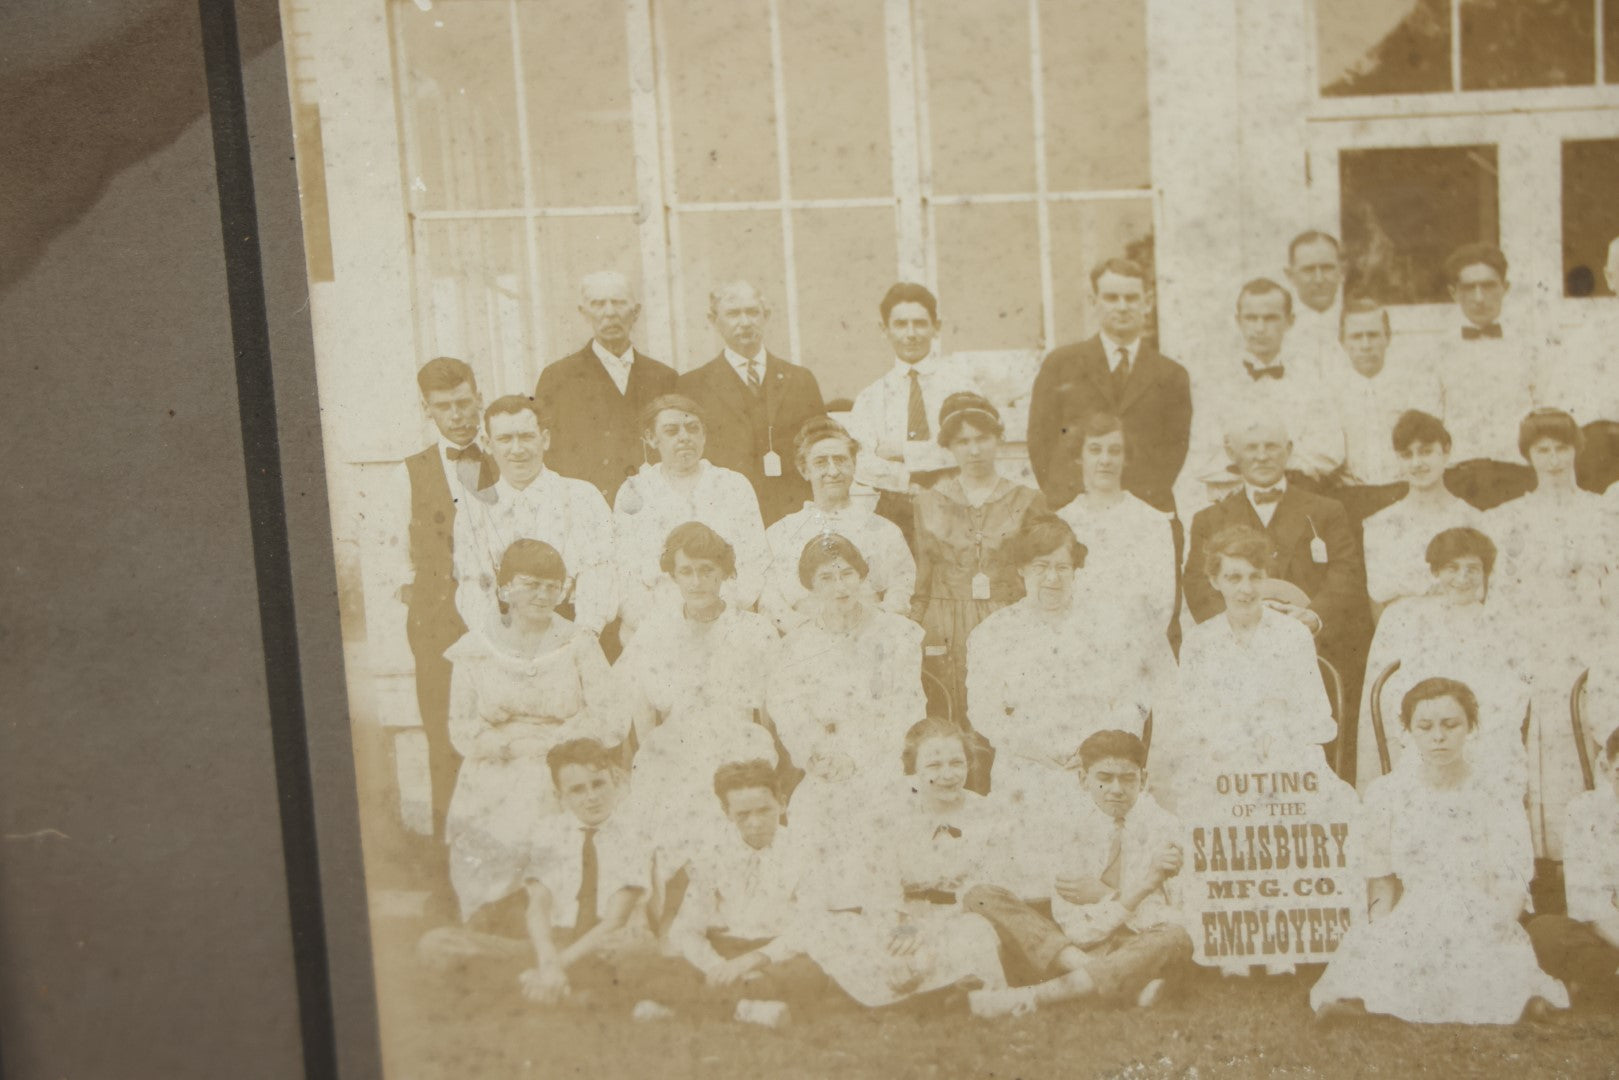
755	401
594	397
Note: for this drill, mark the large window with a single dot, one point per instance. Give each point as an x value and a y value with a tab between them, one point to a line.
1590	213
819	148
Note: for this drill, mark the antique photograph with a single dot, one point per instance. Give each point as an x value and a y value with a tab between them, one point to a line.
975	537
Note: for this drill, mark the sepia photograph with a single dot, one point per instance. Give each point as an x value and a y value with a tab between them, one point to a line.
913	538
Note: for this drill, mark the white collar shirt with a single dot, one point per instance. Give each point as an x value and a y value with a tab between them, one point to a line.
1581	377
1265	510
739	364
555	860
742	892
1111	348
1297	398
880	421
617	367
1488	385
1084	854
1314	339
1368	409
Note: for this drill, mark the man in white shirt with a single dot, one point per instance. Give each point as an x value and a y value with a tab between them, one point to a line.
530	501
896	418
1486	371
1582	947
740	923
1115	926
1372	391
1582	379
1265	379
1315	270
414	545
826	457
587	875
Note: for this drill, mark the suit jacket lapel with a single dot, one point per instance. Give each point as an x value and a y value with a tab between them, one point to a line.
775	386
1147	368
730	391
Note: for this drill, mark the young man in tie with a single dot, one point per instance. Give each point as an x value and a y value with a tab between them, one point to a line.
895	418
756	402
1112	879
739	923
417	547
1486	367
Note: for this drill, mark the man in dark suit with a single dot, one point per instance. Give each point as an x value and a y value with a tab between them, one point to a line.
755	401
431	483
1116	372
1313	546
595	396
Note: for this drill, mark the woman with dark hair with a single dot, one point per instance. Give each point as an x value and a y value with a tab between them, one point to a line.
529	682
1042	674
1397	536
694	681
844	687
962	523
1557	559
1457	631
1129	575
1249	688
937	840
680	486
1446	863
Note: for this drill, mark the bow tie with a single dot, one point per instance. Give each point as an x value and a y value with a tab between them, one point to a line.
1473	333
1257	373
1266	496
471	451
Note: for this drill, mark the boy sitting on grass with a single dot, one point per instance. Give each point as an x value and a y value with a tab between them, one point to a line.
1115	925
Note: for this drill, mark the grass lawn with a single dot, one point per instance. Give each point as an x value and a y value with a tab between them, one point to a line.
1259	1027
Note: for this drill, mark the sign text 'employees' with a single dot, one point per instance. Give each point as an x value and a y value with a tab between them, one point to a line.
1273	931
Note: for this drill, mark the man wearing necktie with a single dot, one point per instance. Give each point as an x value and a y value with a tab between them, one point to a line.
426	492
1487	373
1113	881
895	417
756	402
1119	372
1265	378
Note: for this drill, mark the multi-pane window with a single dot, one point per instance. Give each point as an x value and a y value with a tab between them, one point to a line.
821	149
1376	47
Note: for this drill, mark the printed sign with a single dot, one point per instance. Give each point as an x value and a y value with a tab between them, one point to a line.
1271	878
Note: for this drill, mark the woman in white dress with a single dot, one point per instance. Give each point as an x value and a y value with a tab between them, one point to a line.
1042	675
1250	693
1453	631
826	455
681	487
1447	864
519	687
1129	575
694	680
1396	537
1557	556
938	839
843	690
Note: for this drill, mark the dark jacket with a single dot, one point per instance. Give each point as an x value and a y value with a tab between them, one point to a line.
595	430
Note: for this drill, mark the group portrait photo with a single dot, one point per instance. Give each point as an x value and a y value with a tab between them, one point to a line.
975	537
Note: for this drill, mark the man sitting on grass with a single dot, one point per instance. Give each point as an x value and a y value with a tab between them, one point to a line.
1582	947
586	875
1115	925
738	922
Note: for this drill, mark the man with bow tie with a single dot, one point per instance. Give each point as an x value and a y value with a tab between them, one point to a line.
756	401
1265	379
1486	369
418	550
1313	546
529	501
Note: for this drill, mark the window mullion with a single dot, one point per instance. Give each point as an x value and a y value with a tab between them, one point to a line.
651	158
906	110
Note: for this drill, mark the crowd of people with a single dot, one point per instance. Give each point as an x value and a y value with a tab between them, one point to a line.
737	701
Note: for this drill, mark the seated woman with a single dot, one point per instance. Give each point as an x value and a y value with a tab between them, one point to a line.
1446	863
1452	631
694	680
844	687
529	682
938	839
1397	536
1129	575
1249	692
1553	588
826	458
962	525
1042	676
681	487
